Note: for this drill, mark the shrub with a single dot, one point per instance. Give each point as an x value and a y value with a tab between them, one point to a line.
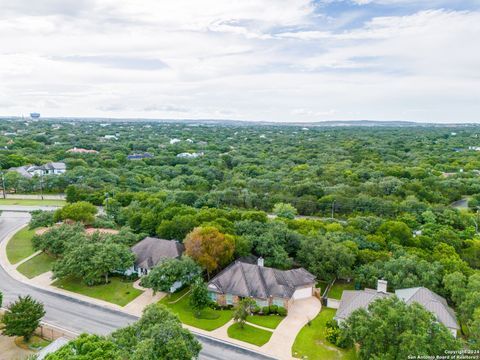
266	310
282	311
273	309
41	218
255	309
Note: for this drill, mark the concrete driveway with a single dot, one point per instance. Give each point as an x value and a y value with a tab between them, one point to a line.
281	342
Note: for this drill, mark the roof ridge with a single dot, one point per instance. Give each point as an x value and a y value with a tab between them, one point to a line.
262	279
245	277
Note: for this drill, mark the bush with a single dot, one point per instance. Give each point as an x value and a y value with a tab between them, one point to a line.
255	309
273	309
41	218
266	310
282	311
332	335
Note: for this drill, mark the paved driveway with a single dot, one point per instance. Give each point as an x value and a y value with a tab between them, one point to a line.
281	342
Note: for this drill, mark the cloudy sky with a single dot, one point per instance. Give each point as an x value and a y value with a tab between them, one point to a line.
276	60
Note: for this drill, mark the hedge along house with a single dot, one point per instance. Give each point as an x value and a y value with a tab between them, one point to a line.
265	285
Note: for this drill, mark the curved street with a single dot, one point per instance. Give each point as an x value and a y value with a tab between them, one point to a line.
78	316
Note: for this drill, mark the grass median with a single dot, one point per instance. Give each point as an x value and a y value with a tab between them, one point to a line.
20	245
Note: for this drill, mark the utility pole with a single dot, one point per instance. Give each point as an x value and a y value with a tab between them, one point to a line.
41	185
3	186
333	208
106	203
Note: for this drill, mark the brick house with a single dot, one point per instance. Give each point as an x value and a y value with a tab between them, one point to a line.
267	286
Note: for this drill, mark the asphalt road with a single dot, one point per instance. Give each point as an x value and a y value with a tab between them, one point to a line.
78	316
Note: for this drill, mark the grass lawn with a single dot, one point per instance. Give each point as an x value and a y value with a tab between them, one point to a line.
35	343
268	321
32	202
249	334
116	291
37	265
311	341
337	289
209	319
20	245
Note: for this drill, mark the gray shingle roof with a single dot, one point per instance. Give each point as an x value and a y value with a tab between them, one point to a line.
150	251
251	280
432	302
355	299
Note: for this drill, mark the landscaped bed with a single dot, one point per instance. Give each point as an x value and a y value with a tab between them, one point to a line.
268	321
32	202
116	291
311	343
249	334
37	265
209	319
20	245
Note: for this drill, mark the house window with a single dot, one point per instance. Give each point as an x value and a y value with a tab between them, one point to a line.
229	299
212	296
278	301
262	303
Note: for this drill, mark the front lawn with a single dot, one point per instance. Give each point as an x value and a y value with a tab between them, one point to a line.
311	343
20	245
268	321
209	319
249	334
36	266
32	202
116	291
337	289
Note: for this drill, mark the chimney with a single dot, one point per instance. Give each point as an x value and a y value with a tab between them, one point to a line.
382	286
260	261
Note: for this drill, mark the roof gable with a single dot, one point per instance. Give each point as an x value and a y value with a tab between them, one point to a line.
150	251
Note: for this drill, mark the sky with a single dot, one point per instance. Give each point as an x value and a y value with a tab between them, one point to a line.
270	60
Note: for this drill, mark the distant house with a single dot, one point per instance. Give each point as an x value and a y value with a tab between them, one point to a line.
52	168
174	141
80	150
267	286
356	299
110	137
140	156
187	155
151	251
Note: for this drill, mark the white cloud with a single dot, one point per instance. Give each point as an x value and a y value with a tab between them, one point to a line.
263	59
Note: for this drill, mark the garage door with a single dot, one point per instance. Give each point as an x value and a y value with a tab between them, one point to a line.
302	293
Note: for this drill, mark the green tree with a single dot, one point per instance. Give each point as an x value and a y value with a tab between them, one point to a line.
326	259
242	310
284	210
55	240
164	275
391	329
87	347
41	218
397	232
79	211
23	317
158	335
199	298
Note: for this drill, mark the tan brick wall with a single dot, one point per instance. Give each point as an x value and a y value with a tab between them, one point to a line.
221	299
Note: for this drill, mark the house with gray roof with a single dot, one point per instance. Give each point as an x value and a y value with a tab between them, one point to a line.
51	168
360	299
267	286
151	251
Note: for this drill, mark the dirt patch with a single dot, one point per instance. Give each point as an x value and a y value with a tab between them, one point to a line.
9	351
91	231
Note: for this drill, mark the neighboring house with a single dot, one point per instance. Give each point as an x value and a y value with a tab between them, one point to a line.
52	168
189	155
174	141
357	299
265	285
140	156
151	251
110	137
80	150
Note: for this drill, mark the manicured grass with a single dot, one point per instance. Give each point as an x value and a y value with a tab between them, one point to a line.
268	321
209	319
116	291
337	289
37	265
311	342
32	202
20	245
249	334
